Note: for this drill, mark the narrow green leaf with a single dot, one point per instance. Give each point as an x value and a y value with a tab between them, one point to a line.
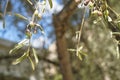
21	16
43	6
116	33
80	57
24	41
20	59
35	56
16	48
32	63
118	21
43	9
83	53
117	54
50	3
73	50
30	2
40	27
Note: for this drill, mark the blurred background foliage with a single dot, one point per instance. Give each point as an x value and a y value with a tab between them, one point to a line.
99	64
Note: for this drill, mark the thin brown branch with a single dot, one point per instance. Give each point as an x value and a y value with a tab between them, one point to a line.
68	10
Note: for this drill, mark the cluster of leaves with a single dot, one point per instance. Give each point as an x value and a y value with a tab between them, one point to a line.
31	28
101	11
27	54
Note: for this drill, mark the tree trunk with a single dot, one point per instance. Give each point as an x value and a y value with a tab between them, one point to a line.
63	54
59	21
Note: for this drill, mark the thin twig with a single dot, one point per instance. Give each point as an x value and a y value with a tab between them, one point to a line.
80	31
5	13
113	11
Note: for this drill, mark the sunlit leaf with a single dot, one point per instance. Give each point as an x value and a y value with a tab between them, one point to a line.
35	56
83	53
24	41
117	54
106	12
80	53
115	33
80	48
20	59
71	50
40	27
30	2
79	56
43	9
20	16
32	63
18	46
118	21
95	22
50	3
109	19
91	4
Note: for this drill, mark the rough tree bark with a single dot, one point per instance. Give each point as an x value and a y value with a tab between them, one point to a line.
59	21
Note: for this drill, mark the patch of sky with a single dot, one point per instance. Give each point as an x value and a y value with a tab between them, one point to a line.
21	25
18	7
10	32
59	2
